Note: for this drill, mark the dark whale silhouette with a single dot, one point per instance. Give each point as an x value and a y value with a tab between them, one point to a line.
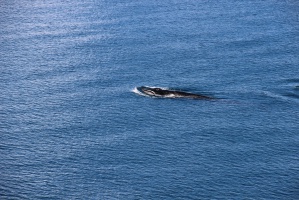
159	92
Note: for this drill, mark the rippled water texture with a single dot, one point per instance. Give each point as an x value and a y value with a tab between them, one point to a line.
73	126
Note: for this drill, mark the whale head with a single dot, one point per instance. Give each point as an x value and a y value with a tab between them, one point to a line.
152	91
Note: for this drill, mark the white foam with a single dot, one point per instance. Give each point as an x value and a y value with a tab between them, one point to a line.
136	91
171	96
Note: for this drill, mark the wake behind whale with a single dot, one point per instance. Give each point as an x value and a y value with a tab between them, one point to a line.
167	93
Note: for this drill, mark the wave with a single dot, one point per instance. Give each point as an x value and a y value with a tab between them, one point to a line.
284	97
293	80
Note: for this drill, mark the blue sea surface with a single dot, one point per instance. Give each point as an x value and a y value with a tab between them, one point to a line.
73	126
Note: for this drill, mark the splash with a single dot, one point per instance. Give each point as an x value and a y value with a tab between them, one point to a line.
136	91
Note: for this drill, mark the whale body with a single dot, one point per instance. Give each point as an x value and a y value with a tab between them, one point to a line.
160	92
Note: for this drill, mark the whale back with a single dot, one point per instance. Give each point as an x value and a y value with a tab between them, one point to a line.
160	92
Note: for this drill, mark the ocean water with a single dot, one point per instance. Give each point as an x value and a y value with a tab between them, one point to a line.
72	125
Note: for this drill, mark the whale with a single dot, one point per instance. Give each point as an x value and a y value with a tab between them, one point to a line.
160	92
